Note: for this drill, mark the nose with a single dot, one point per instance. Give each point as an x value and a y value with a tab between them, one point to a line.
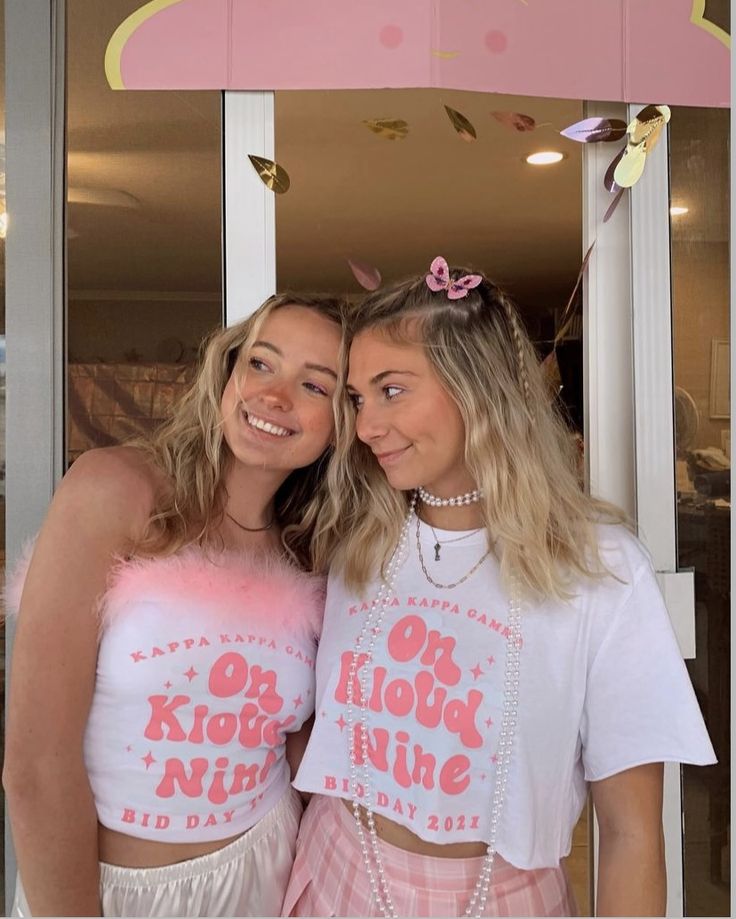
369	426
278	395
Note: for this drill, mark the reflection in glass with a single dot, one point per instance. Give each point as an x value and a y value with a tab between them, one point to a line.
143	231
700	288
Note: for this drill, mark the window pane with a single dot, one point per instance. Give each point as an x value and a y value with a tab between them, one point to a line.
701	311
144	259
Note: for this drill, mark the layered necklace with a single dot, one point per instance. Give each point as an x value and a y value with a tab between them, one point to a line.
360	773
446	542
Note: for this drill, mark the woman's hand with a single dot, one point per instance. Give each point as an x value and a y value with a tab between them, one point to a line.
101	503
631	868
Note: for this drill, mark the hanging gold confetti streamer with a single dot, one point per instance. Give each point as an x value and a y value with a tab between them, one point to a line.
390	128
461	124
271	174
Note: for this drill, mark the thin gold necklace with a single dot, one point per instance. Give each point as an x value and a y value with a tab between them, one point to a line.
438	545
429	577
250	529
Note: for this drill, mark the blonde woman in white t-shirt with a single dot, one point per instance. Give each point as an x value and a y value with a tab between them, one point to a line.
494	641
163	666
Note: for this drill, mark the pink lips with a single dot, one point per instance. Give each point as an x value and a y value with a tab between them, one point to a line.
388	459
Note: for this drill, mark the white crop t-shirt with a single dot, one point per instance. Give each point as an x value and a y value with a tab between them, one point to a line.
603	687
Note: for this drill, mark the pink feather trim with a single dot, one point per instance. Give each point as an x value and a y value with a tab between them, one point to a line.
232	587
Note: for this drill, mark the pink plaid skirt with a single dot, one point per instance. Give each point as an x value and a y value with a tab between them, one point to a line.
330	879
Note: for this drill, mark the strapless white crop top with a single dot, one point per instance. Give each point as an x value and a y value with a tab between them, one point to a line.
205	663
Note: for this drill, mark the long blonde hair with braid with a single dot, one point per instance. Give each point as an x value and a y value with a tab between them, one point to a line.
193	455
518	449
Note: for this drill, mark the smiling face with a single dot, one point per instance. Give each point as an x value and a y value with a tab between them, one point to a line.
406	417
277	404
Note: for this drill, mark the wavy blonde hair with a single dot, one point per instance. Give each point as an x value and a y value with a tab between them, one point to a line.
192	453
518	449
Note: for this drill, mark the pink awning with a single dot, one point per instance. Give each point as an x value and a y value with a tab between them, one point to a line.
619	50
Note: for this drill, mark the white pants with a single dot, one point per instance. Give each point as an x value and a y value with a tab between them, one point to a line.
248	877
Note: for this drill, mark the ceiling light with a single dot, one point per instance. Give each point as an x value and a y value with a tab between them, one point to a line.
545	157
677	210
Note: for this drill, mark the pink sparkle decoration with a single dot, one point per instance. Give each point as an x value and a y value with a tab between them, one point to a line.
168	684
476	671
190	674
148	760
391	36
298	701
341	722
491	660
496	41
483	777
489	722
494	759
129	749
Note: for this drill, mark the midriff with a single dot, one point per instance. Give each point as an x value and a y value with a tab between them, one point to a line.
130	852
403	838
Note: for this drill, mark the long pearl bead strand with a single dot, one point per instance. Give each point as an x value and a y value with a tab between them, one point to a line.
471	497
512	667
370	629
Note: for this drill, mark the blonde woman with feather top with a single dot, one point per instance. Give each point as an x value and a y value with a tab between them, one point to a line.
163	666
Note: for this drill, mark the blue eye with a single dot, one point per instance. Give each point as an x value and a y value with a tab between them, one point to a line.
313	387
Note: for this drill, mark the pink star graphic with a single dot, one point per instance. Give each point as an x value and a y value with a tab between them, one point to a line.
483	777
148	760
168	684
190	674
129	749
489	722
298	701
491	660
494	759
476	671
340	722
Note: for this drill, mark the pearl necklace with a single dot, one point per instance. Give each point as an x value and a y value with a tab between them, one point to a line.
369	631
471	497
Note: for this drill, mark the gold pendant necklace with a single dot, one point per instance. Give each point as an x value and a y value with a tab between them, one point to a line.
429	577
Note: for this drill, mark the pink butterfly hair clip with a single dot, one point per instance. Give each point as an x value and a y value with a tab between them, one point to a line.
439	279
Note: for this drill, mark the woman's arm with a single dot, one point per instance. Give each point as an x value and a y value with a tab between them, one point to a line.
92	518
631	867
296	744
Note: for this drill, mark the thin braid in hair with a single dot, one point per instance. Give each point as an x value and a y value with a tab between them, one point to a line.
516	332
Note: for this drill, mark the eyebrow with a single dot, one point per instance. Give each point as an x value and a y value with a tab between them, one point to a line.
320	368
379	377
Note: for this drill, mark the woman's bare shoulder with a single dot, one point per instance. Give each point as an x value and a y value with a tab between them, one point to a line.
112	483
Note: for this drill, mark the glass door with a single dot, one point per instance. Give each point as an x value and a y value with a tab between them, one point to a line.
699	185
394	202
680	275
342	189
